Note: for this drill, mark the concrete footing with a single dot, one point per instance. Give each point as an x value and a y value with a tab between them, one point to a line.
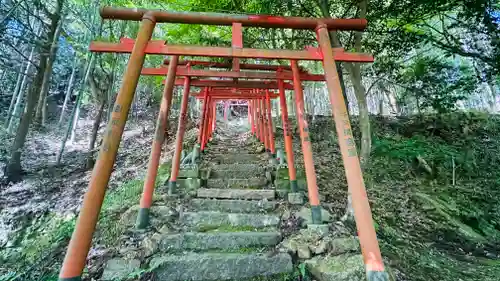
295	198
142	218
316	214
172	187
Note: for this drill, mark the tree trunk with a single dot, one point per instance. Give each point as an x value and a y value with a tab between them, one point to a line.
13	168
93	137
364	120
325	12
4	73
41	111
68	90
381	103
494	94
69	129
16	91
2	78
74	122
17	105
360	92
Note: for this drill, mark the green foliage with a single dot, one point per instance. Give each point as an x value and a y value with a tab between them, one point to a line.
426	223
42	243
436	84
119	200
38	248
408	149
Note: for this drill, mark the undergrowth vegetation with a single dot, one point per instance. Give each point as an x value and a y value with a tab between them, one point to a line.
433	183
38	251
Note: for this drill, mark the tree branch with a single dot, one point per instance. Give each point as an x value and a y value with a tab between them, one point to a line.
307	10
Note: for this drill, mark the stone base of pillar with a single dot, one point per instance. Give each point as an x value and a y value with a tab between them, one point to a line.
196	152
377	275
142	218
172	188
296	198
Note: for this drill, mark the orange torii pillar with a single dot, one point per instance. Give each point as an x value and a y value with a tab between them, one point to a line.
154	158
214	119
254	116
312	187
362	213
203	119
288	138
206	124
226	107
176	160
211	120
268	104
257	119
249	115
263	128
80	242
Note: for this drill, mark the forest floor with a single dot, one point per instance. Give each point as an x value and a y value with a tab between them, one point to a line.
442	224
37	214
437	225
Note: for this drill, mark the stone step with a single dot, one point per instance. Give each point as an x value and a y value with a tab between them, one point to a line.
237	171
238	174
235	158
219	266
206	219
227	146
237	183
218	240
237	167
233	206
248	194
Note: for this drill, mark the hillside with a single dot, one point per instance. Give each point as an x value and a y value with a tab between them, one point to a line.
439	222
442	224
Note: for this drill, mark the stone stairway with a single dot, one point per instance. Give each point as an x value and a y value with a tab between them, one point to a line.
234	227
231	228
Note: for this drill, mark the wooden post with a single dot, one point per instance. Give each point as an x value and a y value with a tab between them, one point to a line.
364	222
176	160
80	242
312	186
154	158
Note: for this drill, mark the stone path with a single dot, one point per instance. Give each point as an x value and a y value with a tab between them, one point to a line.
231	227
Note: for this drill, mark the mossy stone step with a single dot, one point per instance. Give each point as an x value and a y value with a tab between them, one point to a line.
219	266
243	158
253	172
346	267
218	240
233	206
206	219
237	167
248	194
255	182
237	170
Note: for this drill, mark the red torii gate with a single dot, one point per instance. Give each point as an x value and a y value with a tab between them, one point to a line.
75	259
264	120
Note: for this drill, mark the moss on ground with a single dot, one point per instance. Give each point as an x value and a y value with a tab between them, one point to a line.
443	225
428	227
40	250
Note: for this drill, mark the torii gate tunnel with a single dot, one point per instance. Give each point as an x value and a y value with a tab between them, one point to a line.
257	93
